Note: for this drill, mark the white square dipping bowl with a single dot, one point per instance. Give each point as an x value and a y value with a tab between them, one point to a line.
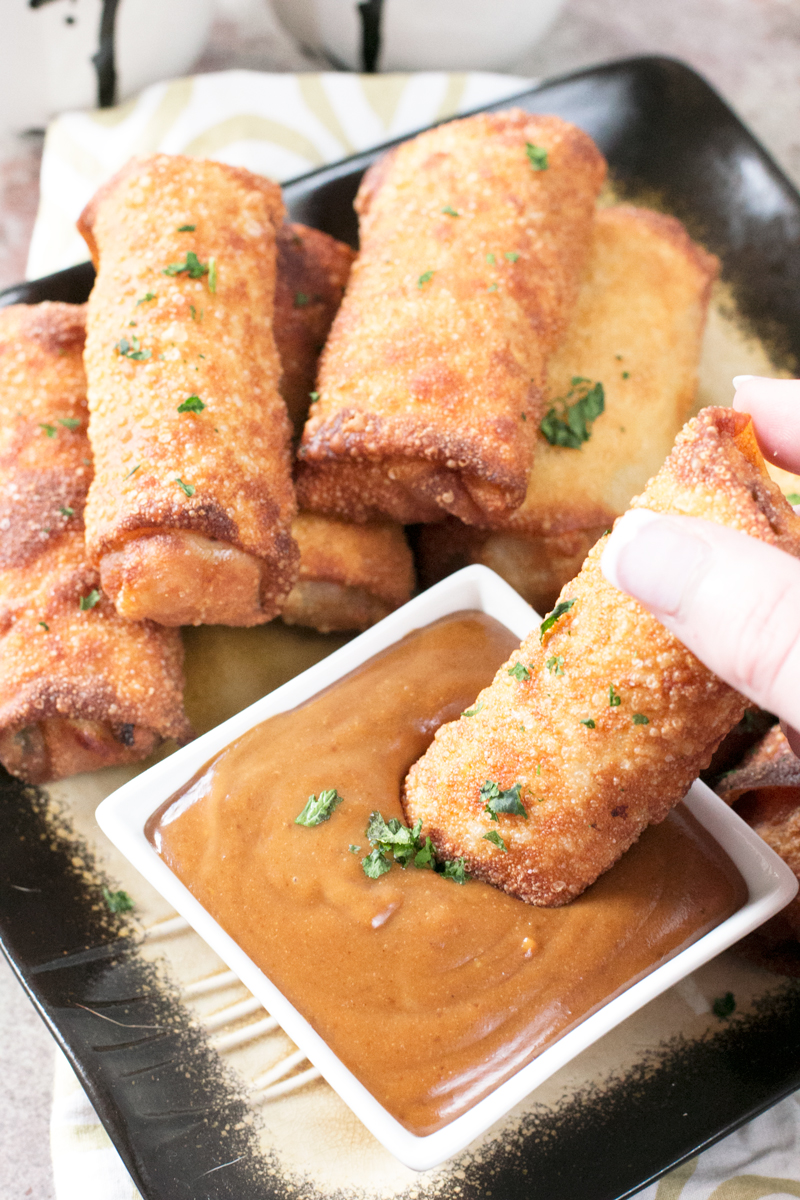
123	815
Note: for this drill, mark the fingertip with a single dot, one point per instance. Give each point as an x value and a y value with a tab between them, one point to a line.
625	530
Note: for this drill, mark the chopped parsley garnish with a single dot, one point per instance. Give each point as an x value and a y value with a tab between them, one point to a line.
118	902
132	471
562	607
147	296
640	719
300	299
626	374
191	404
492	287
520	672
424	278
319	808
537	156
375	864
44	626
491	260
393	841
66	510
69	422
498	801
569	421
314	396
524	416
724	1006
132	349
793	497
494	837
187	488
193	311
426	856
186	228
190	266
49	429
511	255
212	275
353	849
555	665
87	602
450	212
588	722
614	698
472	712
456	869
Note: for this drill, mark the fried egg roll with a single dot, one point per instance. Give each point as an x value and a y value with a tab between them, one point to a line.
80	687
312	272
190	510
473	239
600	721
351	576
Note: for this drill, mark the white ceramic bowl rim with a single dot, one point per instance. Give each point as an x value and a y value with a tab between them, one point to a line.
122	817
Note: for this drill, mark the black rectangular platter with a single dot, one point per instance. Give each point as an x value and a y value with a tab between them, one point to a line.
153	1079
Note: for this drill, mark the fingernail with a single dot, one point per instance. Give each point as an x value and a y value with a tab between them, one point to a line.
654	558
738	380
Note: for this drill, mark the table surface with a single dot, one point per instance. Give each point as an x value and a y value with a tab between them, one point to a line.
748	49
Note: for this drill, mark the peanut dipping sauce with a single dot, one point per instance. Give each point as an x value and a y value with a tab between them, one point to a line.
430	992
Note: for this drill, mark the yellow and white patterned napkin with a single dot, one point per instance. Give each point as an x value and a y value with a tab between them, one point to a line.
278	125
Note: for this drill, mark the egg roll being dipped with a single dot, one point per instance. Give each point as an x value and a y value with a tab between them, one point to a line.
473	238
80	687
190	510
598	724
351	576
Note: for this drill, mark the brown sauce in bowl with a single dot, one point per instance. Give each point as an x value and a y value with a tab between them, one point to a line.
430	992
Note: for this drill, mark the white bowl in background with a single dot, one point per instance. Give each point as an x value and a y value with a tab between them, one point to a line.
123	815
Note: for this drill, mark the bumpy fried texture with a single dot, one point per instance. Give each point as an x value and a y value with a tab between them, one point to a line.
312	272
536	567
606	718
431	382
351	576
765	791
189	514
79	688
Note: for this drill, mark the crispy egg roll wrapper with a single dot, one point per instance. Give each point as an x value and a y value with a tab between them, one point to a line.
78	689
765	791
637	328
189	513
656	713
351	576
432	379
312	272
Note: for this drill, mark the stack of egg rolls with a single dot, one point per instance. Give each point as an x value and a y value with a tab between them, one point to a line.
190	510
636	330
80	687
473	239
602	719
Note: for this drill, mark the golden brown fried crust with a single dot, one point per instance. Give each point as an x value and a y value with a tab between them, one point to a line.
637	328
312	273
222	473
436	358
590	789
78	689
350	575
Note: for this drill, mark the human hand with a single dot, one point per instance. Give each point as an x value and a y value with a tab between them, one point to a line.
733	600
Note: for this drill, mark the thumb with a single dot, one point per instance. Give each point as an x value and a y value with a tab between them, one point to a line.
732	600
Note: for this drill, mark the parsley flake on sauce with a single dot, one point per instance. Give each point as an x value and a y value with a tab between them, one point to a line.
192	404
118	902
66	510
375	864
472	712
319	808
132	349
724	1006
393	841
588	722
614	698
569	421
537	156
186	228
562	607
187	488
87	602
494	837
640	719
520	672
555	665
353	849
69	422
424	278
456	869
498	801
450	212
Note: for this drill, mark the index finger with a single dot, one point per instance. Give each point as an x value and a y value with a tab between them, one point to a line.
774	405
